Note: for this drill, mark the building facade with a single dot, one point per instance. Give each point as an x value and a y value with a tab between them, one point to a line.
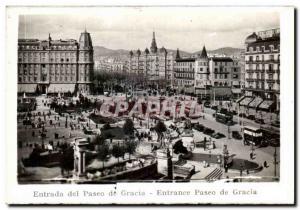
155	65
184	72
52	66
262	65
203	72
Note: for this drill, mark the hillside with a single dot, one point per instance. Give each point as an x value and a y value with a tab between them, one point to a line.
228	51
100	51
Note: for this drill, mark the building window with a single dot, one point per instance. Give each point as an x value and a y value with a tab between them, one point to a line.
270	66
270	76
35	79
20	79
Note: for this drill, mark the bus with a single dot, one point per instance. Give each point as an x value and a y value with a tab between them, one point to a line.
252	135
224	118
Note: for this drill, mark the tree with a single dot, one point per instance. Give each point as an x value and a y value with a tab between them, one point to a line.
103	152
130	147
118	151
128	127
160	128
106	126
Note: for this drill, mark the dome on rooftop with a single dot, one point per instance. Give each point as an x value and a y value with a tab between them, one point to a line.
252	38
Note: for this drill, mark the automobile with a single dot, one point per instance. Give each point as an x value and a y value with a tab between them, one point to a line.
236	135
106	93
233	112
251	117
207	104
224	111
199	127
242	115
208	131
218	135
214	107
264	143
274	142
259	121
276	123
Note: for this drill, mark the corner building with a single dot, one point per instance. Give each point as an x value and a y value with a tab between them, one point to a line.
262	65
53	66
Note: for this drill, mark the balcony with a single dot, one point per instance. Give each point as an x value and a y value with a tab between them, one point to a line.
270	71
273	61
270	80
250	79
221	72
254	62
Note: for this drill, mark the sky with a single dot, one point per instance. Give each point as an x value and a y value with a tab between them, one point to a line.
186	28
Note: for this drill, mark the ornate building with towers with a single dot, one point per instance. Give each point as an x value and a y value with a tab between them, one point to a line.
154	65
53	66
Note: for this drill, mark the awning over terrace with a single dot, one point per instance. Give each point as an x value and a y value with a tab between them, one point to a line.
62	88
27	88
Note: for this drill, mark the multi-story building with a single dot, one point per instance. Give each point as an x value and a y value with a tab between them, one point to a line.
184	72
154	64
112	65
204	72
221	69
242	69
52	66
262	68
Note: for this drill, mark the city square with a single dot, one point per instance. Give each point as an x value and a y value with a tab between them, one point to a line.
153	115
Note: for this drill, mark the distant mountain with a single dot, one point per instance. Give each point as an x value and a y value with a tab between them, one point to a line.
100	51
228	51
182	53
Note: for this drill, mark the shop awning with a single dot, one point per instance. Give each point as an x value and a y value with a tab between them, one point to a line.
266	104
62	88
27	88
256	102
240	99
246	101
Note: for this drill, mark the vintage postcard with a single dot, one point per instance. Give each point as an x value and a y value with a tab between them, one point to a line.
150	105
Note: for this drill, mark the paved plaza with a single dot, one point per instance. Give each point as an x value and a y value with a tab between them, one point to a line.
67	127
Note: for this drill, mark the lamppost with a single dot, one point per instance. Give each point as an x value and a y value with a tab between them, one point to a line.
228	128
275	162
